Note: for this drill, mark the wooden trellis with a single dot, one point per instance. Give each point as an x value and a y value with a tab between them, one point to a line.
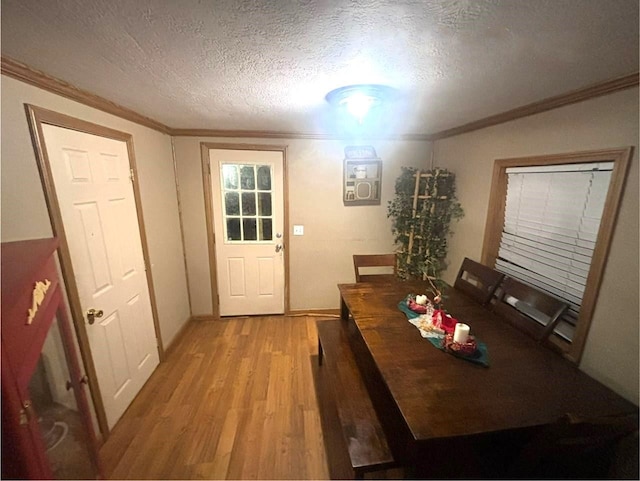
425	198
422	210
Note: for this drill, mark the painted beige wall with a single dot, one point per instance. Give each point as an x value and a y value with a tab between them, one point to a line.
332	232
611	353
24	212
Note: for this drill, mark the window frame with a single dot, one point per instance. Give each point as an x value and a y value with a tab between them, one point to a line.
621	159
241	216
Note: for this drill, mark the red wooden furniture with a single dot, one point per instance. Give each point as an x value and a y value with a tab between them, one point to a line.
46	431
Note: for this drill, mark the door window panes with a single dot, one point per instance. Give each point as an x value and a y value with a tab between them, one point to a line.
264	177
230	176
247	177
233	229
247	198
265	229
232	203
264	203
250	232
248	203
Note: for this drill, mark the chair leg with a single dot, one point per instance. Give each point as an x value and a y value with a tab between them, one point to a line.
320	352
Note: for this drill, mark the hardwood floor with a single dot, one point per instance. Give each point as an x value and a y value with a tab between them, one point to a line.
234	400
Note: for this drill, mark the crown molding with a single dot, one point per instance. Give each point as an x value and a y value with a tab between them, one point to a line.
19	71
13	68
260	134
274	134
550	103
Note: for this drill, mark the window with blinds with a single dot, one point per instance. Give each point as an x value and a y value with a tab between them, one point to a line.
551	222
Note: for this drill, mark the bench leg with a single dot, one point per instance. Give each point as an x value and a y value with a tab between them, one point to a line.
320	352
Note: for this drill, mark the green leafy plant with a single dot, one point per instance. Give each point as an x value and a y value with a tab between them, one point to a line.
421	227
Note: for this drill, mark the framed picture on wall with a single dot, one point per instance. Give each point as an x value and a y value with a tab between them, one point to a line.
362	176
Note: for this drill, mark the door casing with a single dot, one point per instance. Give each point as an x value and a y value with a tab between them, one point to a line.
38	116
208	209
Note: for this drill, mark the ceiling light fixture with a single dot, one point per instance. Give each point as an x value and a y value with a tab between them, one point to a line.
358	100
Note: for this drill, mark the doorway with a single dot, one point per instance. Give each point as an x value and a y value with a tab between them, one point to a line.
88	174
245	200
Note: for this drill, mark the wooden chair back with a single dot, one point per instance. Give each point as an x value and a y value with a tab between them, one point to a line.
372	262
531	310
577	448
477	280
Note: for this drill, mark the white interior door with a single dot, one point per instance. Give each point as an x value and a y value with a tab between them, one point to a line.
248	212
95	193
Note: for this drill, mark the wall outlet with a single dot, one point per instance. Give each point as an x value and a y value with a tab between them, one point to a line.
298	230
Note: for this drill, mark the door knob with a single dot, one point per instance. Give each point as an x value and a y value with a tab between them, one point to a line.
83	380
25	412
279	247
92	314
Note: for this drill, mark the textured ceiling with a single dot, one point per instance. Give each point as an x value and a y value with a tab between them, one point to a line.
267	65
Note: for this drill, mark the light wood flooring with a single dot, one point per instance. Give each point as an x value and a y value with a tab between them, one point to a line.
235	399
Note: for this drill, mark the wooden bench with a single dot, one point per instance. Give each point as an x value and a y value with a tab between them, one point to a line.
346	409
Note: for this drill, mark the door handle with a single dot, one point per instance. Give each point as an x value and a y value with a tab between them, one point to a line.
83	380
25	412
279	247
92	314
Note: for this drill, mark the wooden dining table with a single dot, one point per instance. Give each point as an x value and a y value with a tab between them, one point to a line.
433	404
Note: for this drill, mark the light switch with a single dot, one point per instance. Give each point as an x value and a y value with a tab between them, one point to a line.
298	230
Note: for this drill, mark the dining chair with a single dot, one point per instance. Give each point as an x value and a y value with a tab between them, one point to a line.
534	312
577	447
477	280
373	264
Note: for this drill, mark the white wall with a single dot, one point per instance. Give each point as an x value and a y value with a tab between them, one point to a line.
24	212
321	258
611	353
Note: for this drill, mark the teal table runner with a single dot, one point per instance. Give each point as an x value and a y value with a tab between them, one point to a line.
481	356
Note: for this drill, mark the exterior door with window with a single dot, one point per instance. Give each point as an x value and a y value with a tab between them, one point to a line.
248	211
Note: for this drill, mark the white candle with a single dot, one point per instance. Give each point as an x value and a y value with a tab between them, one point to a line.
461	334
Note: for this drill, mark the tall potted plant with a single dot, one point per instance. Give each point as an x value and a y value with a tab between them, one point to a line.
425	203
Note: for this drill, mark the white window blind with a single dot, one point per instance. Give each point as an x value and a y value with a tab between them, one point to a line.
551	222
